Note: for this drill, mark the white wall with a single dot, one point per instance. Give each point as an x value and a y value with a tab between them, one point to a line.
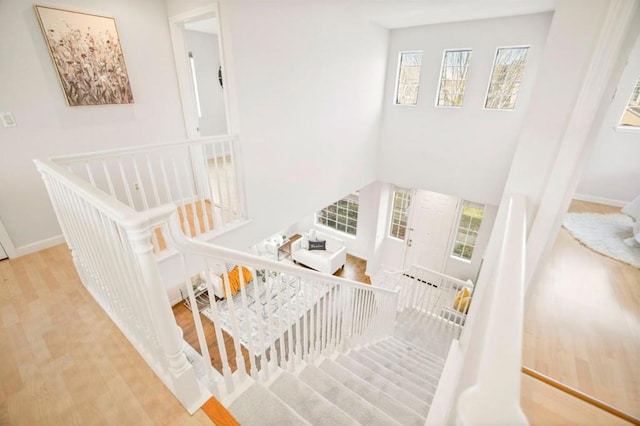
206	56
362	244
46	126
612	174
308	82
465	151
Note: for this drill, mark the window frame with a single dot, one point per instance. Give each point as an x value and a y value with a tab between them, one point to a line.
409	192
444	54
457	230
397	83
493	65
626	127
351	198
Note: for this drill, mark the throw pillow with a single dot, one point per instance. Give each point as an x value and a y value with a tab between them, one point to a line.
317	245
312	235
305	241
462	301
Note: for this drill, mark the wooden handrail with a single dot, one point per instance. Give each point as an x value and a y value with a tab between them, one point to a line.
581	395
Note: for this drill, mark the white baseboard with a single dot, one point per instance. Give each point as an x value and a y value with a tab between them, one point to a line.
39	245
600	200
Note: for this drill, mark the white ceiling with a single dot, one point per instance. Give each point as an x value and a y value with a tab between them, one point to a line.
409	13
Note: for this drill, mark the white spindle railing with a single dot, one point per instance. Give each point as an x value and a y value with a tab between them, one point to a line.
295	315
434	294
112	250
201	177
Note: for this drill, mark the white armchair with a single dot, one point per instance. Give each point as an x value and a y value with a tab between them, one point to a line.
327	260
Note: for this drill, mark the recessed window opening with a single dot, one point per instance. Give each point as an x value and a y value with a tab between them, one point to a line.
192	65
453	77
631	114
400	213
468	228
508	69
408	81
341	215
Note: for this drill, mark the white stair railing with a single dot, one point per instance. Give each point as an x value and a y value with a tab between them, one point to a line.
436	294
282	315
112	251
201	177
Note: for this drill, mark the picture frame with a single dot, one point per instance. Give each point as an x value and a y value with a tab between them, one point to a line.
87	55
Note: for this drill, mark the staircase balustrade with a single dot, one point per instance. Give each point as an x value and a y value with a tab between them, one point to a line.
282	317
116	207
201	177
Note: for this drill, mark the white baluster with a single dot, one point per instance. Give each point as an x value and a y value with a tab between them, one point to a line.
245	312
264	367
300	313
222	349
235	330
125	183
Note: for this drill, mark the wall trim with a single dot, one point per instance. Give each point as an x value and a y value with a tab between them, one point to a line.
600	200
6	242
39	245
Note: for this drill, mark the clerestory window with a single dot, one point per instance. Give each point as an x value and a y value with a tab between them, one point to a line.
453	77
504	86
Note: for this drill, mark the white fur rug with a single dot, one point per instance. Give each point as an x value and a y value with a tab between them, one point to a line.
604	233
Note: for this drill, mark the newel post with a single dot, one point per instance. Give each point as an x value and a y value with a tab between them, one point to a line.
183	378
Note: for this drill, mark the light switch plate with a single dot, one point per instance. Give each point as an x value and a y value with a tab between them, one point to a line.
7	119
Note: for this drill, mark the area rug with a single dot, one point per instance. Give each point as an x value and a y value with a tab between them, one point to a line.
605	234
285	308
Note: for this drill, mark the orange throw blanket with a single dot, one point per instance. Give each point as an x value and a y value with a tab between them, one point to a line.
234	280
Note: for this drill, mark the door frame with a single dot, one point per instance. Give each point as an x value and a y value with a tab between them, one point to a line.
183	71
6	242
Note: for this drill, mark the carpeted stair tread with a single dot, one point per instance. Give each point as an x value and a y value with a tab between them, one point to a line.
385	402
422	368
308	403
398	369
341	396
425	394
411	351
401	395
409	347
259	406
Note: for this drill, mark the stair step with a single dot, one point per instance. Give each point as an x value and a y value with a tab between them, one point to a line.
424	394
398	369
411	352
409	347
400	394
341	396
419	367
401	413
308	403
259	406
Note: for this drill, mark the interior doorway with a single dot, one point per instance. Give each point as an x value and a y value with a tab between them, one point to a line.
199	57
431	222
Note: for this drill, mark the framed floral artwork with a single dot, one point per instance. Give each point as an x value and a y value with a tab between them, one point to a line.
87	55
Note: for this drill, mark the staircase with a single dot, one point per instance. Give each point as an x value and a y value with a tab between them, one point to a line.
391	382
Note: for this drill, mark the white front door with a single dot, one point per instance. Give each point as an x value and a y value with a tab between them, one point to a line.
432	217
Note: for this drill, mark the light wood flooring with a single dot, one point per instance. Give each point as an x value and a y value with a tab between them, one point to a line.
582	328
62	360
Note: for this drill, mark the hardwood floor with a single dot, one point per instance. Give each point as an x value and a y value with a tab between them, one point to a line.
582	324
62	360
